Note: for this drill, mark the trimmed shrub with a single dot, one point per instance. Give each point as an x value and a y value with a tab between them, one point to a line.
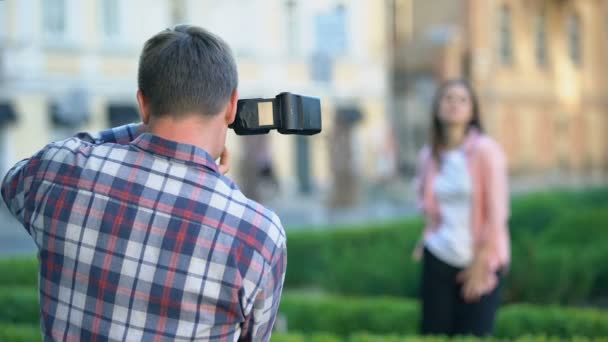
19	272
533	213
343	316
360	260
565	264
560	240
309	313
393	338
19	305
517	320
19	333
560	248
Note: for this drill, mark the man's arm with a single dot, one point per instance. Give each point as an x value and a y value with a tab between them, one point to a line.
17	183
266	304
16	187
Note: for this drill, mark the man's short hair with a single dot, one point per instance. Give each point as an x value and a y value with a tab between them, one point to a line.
186	69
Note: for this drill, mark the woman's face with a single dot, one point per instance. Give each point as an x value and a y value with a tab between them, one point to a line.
456	106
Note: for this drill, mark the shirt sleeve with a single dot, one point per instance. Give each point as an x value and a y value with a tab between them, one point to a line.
16	187
421	162
266	304
422	172
496	194
18	182
495	203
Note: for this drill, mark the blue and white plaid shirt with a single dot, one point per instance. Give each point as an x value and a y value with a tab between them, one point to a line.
141	238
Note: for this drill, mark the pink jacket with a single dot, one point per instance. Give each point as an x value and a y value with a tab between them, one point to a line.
490	207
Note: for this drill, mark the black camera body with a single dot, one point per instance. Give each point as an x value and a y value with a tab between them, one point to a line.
287	113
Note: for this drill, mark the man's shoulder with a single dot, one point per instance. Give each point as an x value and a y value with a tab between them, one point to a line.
253	219
70	147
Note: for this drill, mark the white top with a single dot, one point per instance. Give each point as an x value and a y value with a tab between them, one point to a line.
452	242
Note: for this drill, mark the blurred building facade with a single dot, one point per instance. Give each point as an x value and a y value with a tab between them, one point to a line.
539	68
71	65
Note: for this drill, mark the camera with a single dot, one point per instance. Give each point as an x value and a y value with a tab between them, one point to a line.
287	113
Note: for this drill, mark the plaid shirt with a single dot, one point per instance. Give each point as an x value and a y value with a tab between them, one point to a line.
141	238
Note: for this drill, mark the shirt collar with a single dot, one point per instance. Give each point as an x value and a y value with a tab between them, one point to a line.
175	150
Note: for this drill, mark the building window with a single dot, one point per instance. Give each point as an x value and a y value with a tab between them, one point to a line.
7	118
4	151
332	31
3	21
331	41
63	126
122	114
110	18
178	12
506	36
293	27
573	28
54	17
321	67
68	113
540	29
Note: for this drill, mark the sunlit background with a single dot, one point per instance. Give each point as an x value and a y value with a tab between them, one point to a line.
540	68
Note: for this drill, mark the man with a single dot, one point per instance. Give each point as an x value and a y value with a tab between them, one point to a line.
140	236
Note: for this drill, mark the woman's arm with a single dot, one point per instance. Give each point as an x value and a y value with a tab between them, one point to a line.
480	278
495	202
423	169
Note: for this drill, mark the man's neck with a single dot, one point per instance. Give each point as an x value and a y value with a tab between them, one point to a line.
208	134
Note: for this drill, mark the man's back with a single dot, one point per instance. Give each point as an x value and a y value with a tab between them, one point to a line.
141	238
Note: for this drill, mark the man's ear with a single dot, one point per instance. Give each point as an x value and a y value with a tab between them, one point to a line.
144	110
231	108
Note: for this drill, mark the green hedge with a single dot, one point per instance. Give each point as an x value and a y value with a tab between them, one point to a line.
566	264
319	337
560	244
520	319
326	259
310	313
19	333
19	272
392	338
359	260
28	333
536	211
313	313
19	305
560	239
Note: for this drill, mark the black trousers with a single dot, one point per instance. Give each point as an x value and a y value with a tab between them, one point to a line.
444	311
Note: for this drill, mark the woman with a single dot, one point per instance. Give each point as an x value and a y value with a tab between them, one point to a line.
462	190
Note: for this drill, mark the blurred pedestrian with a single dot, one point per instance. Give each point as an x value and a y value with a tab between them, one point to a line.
463	192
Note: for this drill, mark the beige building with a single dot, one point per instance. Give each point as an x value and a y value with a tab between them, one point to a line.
539	68
70	65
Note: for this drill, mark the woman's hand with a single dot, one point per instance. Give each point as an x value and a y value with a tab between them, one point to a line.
418	252
224	166
476	281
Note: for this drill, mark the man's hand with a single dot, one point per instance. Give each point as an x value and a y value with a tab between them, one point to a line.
224	166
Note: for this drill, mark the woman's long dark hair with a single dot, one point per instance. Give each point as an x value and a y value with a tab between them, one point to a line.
438	136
